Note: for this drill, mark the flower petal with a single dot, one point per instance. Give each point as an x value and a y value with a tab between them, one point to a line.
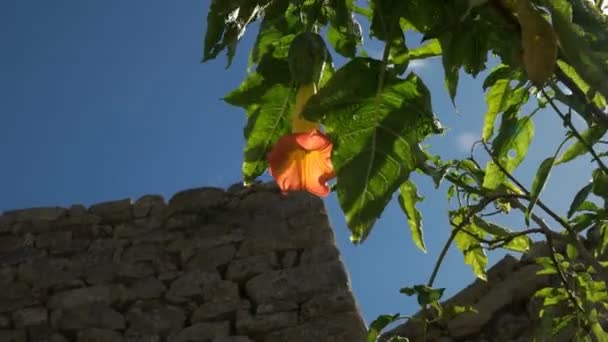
314	140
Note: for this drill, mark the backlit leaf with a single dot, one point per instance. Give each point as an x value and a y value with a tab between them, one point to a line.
579	198
375	135
542	174
591	135
375	328
408	198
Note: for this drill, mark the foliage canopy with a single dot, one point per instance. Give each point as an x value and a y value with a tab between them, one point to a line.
552	53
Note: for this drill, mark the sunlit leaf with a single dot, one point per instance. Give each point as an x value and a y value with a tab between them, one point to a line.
407	200
500	98
424	294
542	174
515	243
268	97
226	23
510	148
344	33
375	328
590	136
376	136
468	243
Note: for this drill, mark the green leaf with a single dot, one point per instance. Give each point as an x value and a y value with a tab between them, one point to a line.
590	136
501	98
425	294
571	251
542	174
579	198
375	328
280	25
376	136
344	33
519	243
575	46
268	97
226	23
407	200
510	148
500	72
464	45
432	48
468	244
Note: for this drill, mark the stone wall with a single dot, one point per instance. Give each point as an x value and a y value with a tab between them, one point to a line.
240	265
507	310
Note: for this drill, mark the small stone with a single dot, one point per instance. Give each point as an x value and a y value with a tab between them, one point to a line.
20	255
88	316
113	211
290	259
10	243
15	296
53	239
13	336
244	269
30	316
99	335
319	254
130	272
155	318
142	252
142	338
328	304
191	284
5	322
147	288
274	307
194	200
56	337
212	258
232	339
202	332
246	324
7	275
220	291
148	205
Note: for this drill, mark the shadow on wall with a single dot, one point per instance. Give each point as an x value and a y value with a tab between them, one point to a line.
242	265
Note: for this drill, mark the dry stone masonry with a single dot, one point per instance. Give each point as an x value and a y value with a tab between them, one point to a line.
507	310
242	265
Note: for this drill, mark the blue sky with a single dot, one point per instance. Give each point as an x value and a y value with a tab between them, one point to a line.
102	100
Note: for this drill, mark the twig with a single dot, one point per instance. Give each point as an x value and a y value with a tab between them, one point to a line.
585	254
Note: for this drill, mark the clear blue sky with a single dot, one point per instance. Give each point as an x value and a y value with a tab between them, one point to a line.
101	100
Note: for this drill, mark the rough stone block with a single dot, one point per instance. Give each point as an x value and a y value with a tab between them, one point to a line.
197	199
220	291
299	283
245	268
102	294
319	254
247	324
147	288
88	316
278	306
149	205
328	304
219	310
153	317
30	317
13	336
201	332
113	211
191	284
15	296
232	339
99	335
53	239
5	321
143	252
346	327
212	258
10	243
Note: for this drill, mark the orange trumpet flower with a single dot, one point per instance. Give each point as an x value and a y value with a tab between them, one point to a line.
302	160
